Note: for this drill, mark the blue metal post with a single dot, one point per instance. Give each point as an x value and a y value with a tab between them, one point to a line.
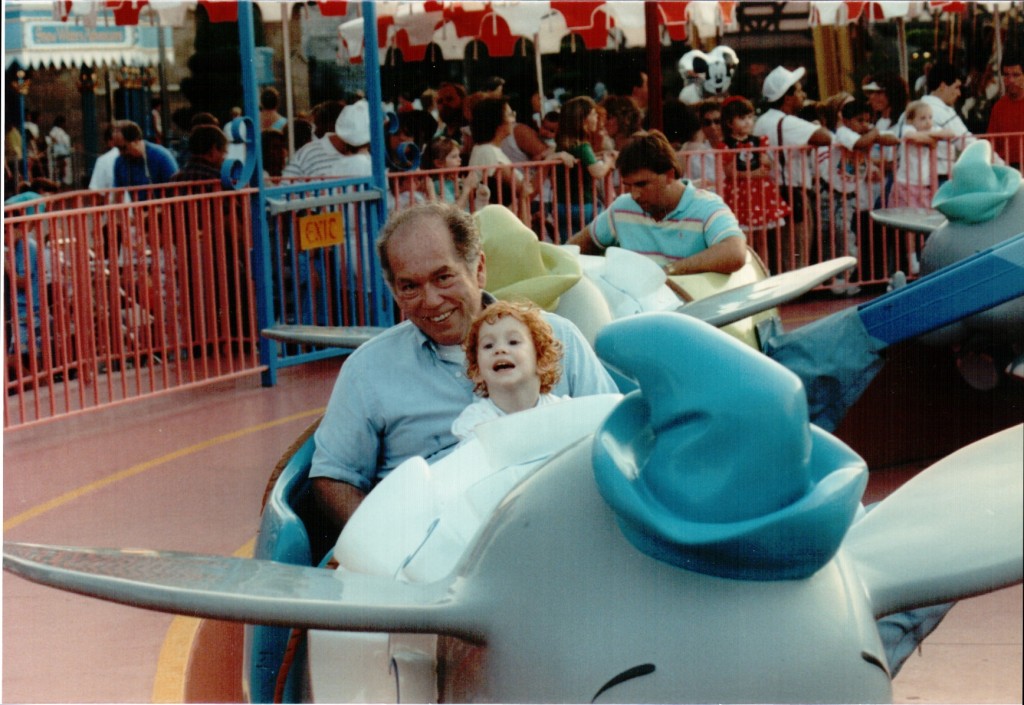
371	60
261	231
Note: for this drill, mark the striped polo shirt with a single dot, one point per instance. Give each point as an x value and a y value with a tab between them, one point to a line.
700	220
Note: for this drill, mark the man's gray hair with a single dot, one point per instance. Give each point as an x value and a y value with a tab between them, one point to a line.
460	224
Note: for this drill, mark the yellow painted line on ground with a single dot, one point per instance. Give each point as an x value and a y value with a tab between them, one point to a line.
71	496
172	665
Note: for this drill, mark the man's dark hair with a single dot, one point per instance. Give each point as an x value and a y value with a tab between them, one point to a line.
1010	58
130	131
203	138
622	82
942	72
853	108
648	150
488	116
269	98
465	235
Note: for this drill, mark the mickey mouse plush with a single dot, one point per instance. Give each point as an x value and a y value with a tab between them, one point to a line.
707	74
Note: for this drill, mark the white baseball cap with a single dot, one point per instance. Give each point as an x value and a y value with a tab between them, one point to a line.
871	87
353	124
779	81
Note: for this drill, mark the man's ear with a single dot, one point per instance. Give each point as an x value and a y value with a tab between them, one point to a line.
481	271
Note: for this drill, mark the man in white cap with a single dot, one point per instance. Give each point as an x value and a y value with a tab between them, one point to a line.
784	128
342	153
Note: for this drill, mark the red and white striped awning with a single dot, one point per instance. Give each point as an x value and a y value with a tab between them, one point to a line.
500	24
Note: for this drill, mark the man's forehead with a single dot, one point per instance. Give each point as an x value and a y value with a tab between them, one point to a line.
640	176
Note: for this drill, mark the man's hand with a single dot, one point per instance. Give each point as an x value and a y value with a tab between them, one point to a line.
724	257
337	501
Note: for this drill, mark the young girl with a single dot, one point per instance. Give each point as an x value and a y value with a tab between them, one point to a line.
444	153
749	188
513	357
578	120
912	185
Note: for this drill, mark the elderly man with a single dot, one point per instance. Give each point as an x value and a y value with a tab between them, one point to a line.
686	229
397	395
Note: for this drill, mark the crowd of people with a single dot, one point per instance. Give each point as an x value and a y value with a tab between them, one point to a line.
743	166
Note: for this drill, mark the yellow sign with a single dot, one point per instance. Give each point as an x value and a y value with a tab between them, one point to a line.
322	230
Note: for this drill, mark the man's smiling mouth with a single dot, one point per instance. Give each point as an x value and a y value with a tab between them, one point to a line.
442	317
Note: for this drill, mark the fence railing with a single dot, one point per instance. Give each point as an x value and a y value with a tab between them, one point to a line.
114	301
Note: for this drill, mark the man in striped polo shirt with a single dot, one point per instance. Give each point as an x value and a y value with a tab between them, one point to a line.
685	229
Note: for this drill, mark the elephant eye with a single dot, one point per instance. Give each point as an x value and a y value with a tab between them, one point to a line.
644	669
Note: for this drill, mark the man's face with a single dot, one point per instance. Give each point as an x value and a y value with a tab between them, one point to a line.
218	154
1013	81
650	191
116	139
434	287
948	93
135	150
795	100
449	105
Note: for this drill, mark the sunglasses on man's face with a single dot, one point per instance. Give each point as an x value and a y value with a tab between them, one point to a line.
708	122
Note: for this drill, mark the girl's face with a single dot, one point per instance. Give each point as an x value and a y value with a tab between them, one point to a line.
591	122
743	126
922	120
452	161
506	355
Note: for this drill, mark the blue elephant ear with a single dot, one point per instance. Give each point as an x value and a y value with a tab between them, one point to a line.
708	471
235	174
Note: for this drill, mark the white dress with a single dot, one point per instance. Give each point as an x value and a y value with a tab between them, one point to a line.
486	410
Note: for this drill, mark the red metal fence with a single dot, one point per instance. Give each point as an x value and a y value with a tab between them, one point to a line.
107	301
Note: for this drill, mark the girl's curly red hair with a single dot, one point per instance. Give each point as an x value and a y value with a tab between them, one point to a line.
548	347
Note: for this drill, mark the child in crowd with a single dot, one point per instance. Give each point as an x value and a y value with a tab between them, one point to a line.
852	178
578	121
444	153
913	182
513	357
749	187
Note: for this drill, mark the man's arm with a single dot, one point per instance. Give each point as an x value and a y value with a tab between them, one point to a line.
724	257
820	138
585	242
337	501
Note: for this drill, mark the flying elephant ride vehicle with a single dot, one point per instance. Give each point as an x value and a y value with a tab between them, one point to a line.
633	547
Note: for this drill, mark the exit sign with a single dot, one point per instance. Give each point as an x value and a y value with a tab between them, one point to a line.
321	230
